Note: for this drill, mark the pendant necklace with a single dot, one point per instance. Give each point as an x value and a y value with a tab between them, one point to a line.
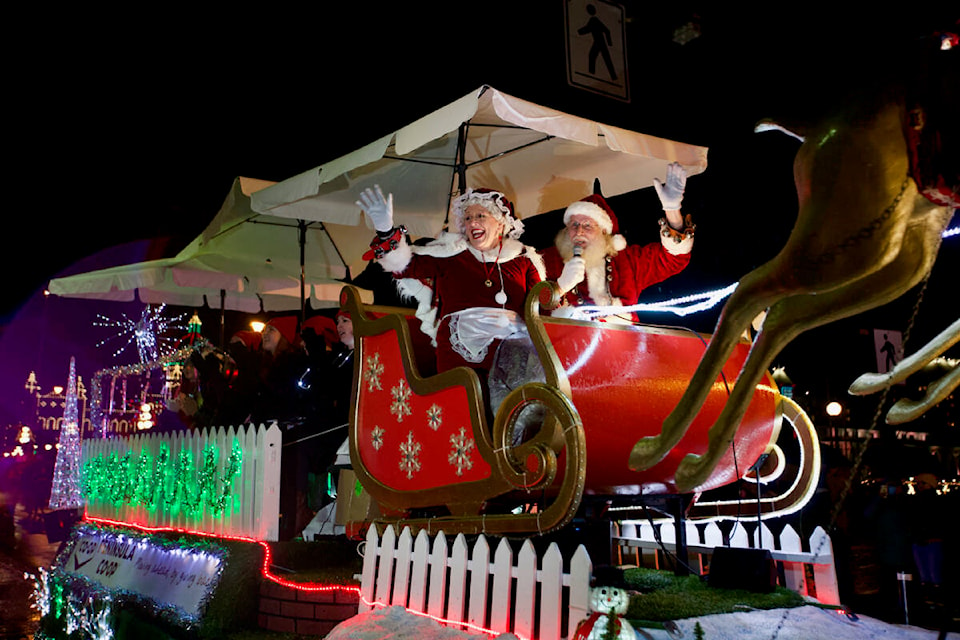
501	297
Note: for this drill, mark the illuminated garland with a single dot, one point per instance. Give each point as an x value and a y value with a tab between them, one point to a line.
75	604
145	332
151	484
97	418
298	586
65	489
678	306
681	306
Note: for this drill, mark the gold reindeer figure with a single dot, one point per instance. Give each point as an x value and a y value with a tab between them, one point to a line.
864	235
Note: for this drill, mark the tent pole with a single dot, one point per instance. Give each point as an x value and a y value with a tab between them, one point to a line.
223	312
459	169
302	227
346	266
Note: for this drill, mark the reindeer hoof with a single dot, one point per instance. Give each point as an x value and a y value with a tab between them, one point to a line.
647	452
691	473
905	410
869	383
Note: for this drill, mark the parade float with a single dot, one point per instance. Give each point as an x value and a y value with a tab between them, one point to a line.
162	512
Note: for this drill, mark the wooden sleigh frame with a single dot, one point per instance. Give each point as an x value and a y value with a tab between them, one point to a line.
538	486
470	506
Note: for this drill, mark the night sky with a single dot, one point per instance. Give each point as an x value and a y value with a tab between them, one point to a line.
135	131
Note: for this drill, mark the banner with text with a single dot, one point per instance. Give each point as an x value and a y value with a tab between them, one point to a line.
175	576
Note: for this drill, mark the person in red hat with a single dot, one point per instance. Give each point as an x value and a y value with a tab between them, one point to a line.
470	283
594	265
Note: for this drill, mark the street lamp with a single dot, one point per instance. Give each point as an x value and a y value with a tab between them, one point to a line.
833	410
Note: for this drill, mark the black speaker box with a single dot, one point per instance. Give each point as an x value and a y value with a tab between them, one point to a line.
747	569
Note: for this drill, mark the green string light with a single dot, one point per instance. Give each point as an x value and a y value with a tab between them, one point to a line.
179	485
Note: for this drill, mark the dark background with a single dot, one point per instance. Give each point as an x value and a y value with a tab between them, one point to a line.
132	126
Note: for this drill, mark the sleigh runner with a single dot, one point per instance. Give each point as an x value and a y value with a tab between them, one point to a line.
425	450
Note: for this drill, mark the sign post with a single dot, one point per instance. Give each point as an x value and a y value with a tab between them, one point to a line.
596	47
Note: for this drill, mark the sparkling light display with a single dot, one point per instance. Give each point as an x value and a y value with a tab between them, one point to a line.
97	416
267	553
73	605
65	491
147	332
678	306
174	483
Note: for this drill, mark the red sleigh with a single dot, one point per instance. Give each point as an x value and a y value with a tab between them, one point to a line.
422	447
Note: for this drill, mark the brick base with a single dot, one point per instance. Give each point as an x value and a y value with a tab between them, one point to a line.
290	610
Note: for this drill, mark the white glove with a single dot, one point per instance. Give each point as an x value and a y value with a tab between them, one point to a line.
573	274
671	193
377	208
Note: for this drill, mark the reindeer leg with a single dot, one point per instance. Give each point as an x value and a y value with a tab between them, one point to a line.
792	316
752	296
872	382
905	409
779	328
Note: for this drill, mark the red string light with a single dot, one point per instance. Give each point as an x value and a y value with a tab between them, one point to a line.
299	586
267	553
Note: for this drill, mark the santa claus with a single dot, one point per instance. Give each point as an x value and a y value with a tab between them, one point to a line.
594	265
469	284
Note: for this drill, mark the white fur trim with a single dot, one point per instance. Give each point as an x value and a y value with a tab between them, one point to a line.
398	259
411	288
677	248
592	211
570	312
537	261
446	245
597	283
619	242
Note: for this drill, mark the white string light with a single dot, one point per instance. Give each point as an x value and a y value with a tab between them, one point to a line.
676	306
147	332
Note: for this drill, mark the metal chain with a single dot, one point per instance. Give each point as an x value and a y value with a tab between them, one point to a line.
865	441
864	233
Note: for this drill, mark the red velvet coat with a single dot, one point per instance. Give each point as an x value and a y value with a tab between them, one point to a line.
629	272
447	277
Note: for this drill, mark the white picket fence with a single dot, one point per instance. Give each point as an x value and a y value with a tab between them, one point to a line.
253	505
529	597
811	573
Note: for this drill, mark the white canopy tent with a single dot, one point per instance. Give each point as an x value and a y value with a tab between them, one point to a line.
242	261
540	158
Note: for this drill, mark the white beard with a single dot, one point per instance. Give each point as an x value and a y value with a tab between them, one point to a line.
595	258
593	254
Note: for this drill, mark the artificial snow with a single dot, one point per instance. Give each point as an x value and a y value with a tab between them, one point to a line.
800	623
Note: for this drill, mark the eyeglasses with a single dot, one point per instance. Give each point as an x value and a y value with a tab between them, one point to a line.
586	227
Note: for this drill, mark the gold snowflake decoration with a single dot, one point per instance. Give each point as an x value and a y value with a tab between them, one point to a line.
410	456
372	371
376	437
401	400
460	448
434	417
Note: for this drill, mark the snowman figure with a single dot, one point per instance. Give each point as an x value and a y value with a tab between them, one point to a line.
608	605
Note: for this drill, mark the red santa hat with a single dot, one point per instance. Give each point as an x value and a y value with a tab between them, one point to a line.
250	339
322	326
596	208
287	326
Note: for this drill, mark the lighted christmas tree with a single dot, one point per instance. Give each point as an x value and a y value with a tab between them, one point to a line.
65	490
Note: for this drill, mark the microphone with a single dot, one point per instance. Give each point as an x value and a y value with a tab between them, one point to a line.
577	251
